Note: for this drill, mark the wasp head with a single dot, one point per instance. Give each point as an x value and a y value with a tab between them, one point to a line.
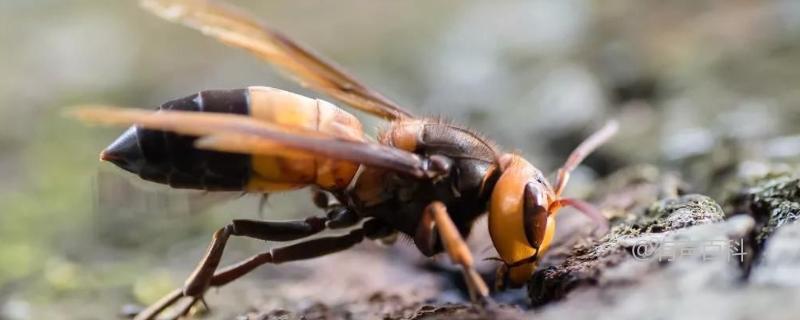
523	207
521	220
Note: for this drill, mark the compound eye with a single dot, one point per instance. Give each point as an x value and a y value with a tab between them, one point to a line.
535	215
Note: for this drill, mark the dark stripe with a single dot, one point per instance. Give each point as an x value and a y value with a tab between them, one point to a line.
172	158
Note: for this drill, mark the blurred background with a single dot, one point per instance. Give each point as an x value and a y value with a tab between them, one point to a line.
693	84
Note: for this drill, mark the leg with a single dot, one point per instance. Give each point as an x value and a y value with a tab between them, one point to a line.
299	251
501	277
457	250
339	216
198	281
313	248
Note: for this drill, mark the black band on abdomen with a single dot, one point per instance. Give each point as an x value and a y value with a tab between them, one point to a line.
174	159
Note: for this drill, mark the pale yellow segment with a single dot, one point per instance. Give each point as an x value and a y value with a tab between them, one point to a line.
337	174
296	111
290	110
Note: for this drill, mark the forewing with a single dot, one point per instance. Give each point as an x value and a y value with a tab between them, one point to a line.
242	134
238	29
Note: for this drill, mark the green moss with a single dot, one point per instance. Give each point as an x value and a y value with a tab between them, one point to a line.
586	262
676	213
775	201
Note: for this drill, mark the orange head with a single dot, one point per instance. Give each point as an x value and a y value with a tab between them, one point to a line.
523	205
520	222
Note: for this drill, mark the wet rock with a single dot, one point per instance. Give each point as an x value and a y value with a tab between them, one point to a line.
628	241
678	259
622	197
677	213
402	310
774	202
680	280
779	263
467	312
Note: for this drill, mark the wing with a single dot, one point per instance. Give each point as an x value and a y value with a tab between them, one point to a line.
242	134
237	29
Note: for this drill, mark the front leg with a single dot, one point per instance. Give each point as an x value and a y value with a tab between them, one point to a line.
455	246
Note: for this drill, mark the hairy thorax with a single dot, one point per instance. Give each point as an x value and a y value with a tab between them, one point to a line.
399	200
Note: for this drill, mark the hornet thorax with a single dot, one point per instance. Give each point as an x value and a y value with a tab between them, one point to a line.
399	200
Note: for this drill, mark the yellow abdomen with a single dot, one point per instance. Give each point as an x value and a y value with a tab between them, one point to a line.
276	173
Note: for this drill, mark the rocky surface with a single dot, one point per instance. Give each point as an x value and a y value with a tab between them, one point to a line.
779	263
774	202
678	259
668	256
638	240
414	311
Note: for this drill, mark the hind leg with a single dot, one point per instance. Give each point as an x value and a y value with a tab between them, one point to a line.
201	278
198	283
